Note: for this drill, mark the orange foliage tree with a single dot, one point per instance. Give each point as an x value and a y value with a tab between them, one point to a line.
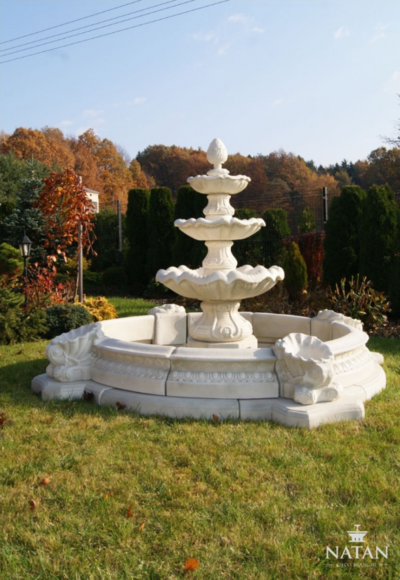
64	204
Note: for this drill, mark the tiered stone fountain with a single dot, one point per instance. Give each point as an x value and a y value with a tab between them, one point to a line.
219	283
295	370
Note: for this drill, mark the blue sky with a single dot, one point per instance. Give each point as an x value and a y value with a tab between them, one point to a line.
318	78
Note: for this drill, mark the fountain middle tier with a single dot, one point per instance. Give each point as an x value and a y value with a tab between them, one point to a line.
225	285
223	228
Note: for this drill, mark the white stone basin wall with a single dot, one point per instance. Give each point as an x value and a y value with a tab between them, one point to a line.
143	362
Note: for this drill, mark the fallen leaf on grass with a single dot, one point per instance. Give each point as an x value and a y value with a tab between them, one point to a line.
191	564
33	503
142	526
120	406
216	419
88	395
20	352
45	481
129	514
3	419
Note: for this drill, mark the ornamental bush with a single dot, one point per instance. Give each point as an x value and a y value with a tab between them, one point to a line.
342	242
160	230
136	233
295	269
379	236
99	308
311	247
65	317
276	230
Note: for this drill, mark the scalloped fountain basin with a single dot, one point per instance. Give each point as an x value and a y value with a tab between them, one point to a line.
144	363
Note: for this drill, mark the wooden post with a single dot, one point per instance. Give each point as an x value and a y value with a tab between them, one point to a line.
80	264
119	231
325	204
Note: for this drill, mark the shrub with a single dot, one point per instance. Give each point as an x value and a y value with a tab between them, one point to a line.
342	243
312	249
379	236
394	287
11	264
357	298
306	221
17	323
160	229
65	317
295	272
99	308
276	230
114	276
136	234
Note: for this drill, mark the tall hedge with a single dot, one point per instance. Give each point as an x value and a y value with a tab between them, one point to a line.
136	234
186	250
250	250
379	236
277	228
160	230
106	244
342	242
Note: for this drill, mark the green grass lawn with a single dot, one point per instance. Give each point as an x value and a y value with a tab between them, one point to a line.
131	306
249	501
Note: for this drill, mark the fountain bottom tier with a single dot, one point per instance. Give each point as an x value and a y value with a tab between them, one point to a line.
304	371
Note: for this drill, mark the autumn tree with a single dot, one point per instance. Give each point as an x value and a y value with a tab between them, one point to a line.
47	148
139	178
112	169
64	204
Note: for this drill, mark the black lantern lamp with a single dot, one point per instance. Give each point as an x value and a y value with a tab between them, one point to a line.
25	250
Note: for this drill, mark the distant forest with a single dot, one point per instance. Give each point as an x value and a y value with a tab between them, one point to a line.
106	167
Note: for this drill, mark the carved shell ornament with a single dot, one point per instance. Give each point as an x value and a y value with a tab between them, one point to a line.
307	358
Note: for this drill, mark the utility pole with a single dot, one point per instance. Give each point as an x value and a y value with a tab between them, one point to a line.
80	264
325	205
119	231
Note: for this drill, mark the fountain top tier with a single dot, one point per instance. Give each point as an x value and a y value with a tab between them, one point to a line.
218	283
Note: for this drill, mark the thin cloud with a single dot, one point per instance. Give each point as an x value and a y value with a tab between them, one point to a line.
277	102
205	37
139	100
238	18
92	113
224	50
257	29
341	32
380	33
66	123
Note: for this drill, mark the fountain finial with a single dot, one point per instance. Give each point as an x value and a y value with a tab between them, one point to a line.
217	155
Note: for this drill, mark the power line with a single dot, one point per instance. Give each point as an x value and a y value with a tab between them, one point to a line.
80	28
71	21
99	27
116	31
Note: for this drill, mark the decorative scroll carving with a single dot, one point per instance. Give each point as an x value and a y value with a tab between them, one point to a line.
331	316
167	309
71	354
308	367
222	377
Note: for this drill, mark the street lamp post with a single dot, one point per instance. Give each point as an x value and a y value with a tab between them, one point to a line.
25	250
